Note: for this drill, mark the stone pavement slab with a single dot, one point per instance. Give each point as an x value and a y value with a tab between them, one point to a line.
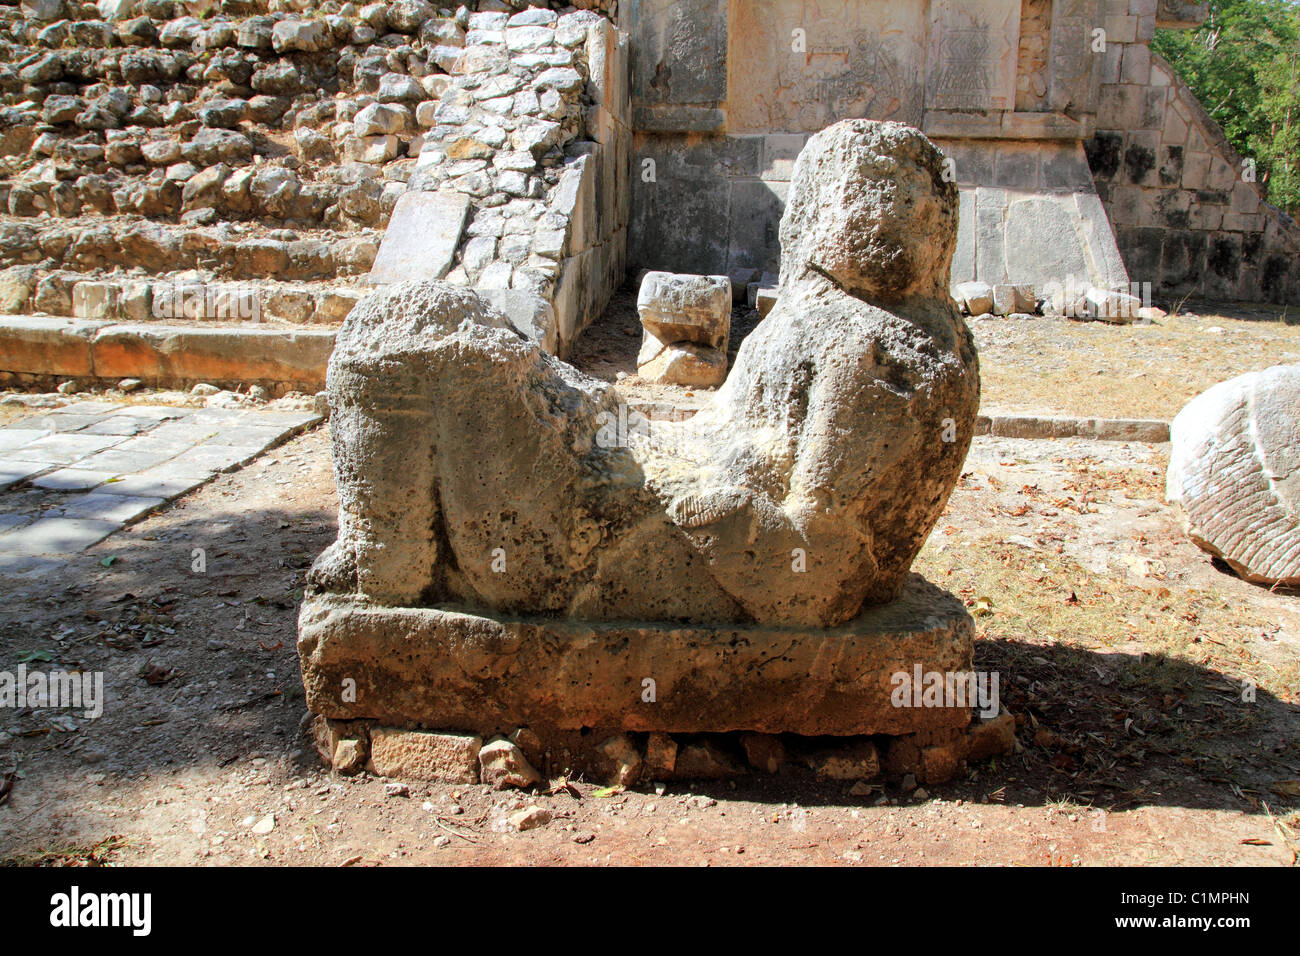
219	457
101	506
88	407
73	479
146	484
123	462
119	425
17	437
89	468
12	472
9	522
57	423
157	413
57	536
64	447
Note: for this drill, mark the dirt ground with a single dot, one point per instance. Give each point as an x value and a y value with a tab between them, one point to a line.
1045	365
1146	370
1157	696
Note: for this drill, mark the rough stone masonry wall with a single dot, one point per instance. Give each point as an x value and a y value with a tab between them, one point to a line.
532	129
1034	68
1186	218
247	149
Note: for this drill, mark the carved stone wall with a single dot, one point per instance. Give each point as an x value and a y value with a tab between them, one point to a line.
984	78
725	93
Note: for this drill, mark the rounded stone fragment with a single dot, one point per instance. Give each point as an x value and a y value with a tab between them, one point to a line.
503	764
870	211
1234	470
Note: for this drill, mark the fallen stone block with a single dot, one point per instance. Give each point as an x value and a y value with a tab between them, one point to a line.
1118	307
349	756
1004	299
682	363
423	234
1024	299
686	308
530	818
502	764
622	759
975	298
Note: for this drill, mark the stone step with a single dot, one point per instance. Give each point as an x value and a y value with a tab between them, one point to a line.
283	192
175	297
41	350
1153	431
88	244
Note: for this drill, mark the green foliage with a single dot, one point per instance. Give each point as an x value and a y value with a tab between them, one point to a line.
1243	64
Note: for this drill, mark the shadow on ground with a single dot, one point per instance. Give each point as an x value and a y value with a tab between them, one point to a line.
201	670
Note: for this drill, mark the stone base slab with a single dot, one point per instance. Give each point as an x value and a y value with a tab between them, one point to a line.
441	668
40	347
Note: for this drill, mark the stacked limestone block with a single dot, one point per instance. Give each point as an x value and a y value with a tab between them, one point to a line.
686	324
532	128
1034	65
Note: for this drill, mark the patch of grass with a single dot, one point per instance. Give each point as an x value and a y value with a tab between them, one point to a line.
1094	369
94	854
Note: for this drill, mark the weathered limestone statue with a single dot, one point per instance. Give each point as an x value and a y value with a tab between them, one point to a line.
471	472
510	557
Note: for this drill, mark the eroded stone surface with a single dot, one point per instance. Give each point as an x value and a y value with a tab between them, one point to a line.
686	308
472	466
486	674
420	755
1234	469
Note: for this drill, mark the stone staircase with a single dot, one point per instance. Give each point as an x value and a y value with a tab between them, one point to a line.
227	162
